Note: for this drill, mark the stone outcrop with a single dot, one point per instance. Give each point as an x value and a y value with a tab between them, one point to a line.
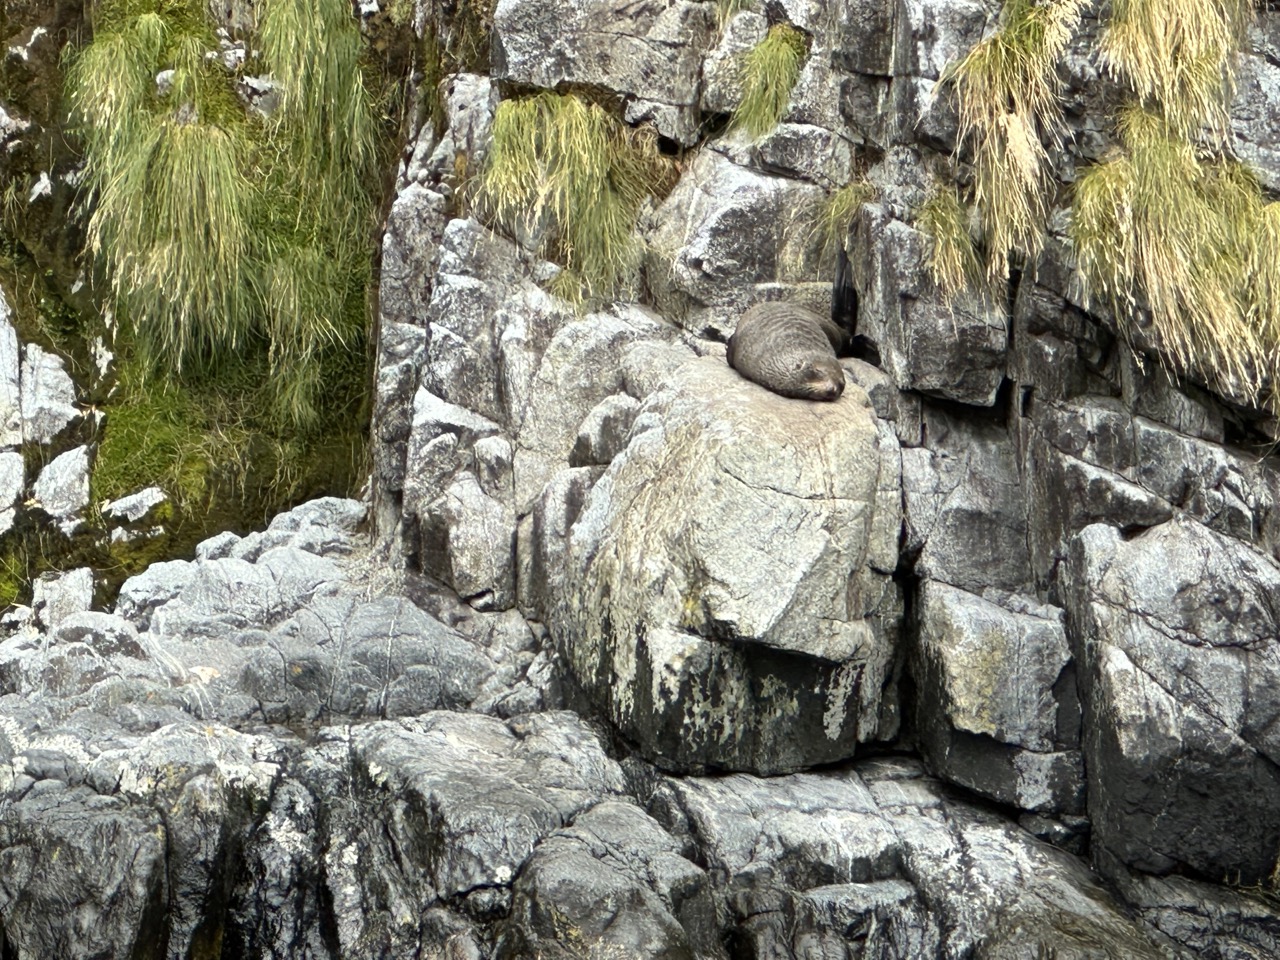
733	565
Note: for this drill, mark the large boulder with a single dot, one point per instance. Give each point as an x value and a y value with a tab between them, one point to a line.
1174	631
832	864
651	55
729	601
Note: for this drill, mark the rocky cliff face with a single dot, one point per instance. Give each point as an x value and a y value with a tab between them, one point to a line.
629	657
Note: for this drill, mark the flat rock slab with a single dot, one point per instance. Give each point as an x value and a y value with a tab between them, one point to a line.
729	601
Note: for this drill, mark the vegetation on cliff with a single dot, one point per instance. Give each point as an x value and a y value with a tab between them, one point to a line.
571	176
1008	91
1168	226
768	75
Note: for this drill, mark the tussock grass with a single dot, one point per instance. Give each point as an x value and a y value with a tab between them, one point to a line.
1008	90
1178	55
312	48
572	176
1192	240
173	220
832	216
954	264
768	75
221	233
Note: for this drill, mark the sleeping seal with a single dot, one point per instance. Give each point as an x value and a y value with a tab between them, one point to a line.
789	350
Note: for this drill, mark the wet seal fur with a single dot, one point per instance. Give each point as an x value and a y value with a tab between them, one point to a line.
789	350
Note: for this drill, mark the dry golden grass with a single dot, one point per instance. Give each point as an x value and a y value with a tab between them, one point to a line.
570	173
1192	240
954	264
1178	56
1009	89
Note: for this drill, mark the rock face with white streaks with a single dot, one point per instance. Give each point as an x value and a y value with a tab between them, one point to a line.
729	601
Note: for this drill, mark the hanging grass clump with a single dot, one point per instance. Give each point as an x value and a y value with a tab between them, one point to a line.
1008	91
1178	57
570	175
1192	240
768	75
220	232
954	264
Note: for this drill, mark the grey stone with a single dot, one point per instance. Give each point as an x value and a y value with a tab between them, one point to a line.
135	507
620	883
468	540
62	489
997	708
953	350
965	507
48	396
723	230
1173	631
882	847
579	368
652	53
10	365
603	433
1255	114
56	596
721	71
12	483
738	536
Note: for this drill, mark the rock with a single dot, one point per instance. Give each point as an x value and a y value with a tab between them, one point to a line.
62	489
952	350
469	542
684	592
1255	113
966	511
811	152
603	434
83	873
461	801
613	882
48	396
135	507
580	367
721	80
806	859
57	596
1174	631
997	707
723	230
651	54
11	419
12	481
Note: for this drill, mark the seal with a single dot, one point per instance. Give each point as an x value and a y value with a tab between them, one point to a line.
789	350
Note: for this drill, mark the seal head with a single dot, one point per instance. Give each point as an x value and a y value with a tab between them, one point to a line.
789	350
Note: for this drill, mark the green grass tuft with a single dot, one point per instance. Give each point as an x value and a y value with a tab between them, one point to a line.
1178	57
768	75
1008	89
1192	240
954	263
832	216
572	176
